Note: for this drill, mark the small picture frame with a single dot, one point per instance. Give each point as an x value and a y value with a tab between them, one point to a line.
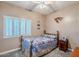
38	24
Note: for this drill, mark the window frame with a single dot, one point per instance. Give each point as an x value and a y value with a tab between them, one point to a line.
12	21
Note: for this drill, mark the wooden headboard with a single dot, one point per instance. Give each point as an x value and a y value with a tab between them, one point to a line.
57	34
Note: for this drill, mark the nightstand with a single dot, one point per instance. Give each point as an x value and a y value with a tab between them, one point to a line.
63	45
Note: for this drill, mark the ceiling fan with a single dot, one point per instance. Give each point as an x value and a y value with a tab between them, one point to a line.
43	4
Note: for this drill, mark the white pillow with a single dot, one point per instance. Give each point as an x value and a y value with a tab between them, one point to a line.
50	36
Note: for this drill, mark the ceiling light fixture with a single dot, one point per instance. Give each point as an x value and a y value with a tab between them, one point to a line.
43	4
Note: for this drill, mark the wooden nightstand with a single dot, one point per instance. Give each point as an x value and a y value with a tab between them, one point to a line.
63	45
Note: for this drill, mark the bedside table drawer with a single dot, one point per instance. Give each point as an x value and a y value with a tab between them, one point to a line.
63	45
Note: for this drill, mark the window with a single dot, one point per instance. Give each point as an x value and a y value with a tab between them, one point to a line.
28	27
13	26
22	27
25	27
7	26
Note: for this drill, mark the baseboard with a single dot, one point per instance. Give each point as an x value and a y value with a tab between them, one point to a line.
5	52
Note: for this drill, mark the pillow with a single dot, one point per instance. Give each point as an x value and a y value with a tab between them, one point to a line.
53	36
45	35
50	36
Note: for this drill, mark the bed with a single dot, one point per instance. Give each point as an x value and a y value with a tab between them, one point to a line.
40	45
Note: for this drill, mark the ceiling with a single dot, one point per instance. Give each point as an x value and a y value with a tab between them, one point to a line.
47	8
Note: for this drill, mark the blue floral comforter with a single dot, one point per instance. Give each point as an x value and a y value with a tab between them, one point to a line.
40	45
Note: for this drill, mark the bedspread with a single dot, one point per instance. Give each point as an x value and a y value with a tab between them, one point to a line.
41	45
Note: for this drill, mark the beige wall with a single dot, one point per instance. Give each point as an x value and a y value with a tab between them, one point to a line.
11	10
69	26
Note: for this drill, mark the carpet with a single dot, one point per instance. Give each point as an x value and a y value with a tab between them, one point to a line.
54	53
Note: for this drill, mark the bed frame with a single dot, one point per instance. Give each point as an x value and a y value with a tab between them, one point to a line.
57	34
